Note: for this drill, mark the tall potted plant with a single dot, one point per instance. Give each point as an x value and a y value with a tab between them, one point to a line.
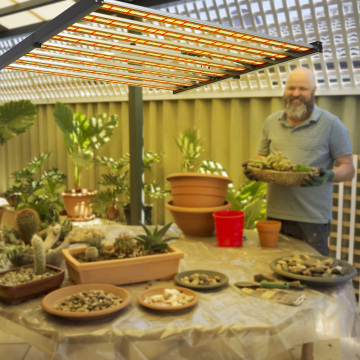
196	185
81	137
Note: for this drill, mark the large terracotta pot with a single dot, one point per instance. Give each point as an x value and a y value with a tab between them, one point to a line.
123	271
195	221
198	190
77	204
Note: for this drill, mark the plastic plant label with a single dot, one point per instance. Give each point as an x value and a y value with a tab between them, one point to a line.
277	295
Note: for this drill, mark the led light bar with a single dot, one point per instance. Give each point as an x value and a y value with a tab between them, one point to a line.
108	40
87	77
129	59
162	44
179	35
144	52
80	61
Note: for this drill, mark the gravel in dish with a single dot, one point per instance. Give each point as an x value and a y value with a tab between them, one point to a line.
200	279
87	301
170	297
23	275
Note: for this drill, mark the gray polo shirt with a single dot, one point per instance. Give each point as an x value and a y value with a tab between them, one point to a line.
317	142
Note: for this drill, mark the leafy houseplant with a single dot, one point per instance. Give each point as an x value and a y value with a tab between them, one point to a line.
200	184
38	191
15	118
249	198
82	136
130	259
106	202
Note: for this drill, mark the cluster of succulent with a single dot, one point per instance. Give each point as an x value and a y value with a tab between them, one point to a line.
278	162
25	242
128	246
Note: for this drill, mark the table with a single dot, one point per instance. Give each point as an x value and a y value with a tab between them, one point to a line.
225	324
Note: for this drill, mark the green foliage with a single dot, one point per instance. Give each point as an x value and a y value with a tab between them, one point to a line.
10	251
249	198
96	241
15	118
117	182
153	241
190	147
82	136
40	192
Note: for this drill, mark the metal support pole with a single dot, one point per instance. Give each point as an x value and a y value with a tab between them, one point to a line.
136	154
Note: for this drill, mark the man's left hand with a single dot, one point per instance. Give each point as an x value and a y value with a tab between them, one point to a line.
318	180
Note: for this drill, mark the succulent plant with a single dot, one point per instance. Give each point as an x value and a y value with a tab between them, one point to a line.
39	254
91	253
154	241
28	223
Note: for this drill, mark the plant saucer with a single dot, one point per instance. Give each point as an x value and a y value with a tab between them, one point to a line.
49	301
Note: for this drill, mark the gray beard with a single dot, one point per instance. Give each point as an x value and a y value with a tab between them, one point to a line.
299	111
296	112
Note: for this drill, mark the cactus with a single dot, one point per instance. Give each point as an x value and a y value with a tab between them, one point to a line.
91	253
39	254
28	223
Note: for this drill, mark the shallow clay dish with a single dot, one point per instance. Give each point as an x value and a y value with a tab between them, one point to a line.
166	307
317	281
223	279
50	300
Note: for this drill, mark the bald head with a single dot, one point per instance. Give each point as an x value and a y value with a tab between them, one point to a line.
302	75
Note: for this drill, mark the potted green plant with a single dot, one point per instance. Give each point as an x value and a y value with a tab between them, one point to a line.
38	191
130	259
81	137
15	118
28	281
16	245
196	186
106	202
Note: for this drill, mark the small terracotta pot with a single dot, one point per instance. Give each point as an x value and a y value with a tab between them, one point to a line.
268	232
77	204
195	221
198	190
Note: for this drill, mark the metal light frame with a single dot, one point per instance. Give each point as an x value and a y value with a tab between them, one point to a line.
112	41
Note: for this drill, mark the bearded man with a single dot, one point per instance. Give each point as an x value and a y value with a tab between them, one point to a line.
306	135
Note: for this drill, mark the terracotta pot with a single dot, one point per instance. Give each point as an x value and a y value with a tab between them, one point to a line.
268	232
77	204
195	221
123	271
13	294
198	190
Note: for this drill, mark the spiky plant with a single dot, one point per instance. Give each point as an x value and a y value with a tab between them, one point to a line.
10	251
28	223
154	241
97	242
39	255
91	253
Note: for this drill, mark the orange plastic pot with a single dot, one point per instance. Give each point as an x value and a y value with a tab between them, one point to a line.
268	232
77	204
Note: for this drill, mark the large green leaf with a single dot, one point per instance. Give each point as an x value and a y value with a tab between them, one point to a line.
15	118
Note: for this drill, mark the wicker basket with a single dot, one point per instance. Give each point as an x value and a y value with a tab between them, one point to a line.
287	178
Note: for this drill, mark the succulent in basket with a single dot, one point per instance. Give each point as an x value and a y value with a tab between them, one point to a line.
153	241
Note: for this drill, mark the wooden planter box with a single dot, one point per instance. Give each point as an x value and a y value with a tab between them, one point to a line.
123	271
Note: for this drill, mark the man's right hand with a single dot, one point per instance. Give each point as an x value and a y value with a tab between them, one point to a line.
249	173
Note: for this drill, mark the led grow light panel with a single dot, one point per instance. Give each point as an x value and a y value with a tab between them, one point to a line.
119	42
